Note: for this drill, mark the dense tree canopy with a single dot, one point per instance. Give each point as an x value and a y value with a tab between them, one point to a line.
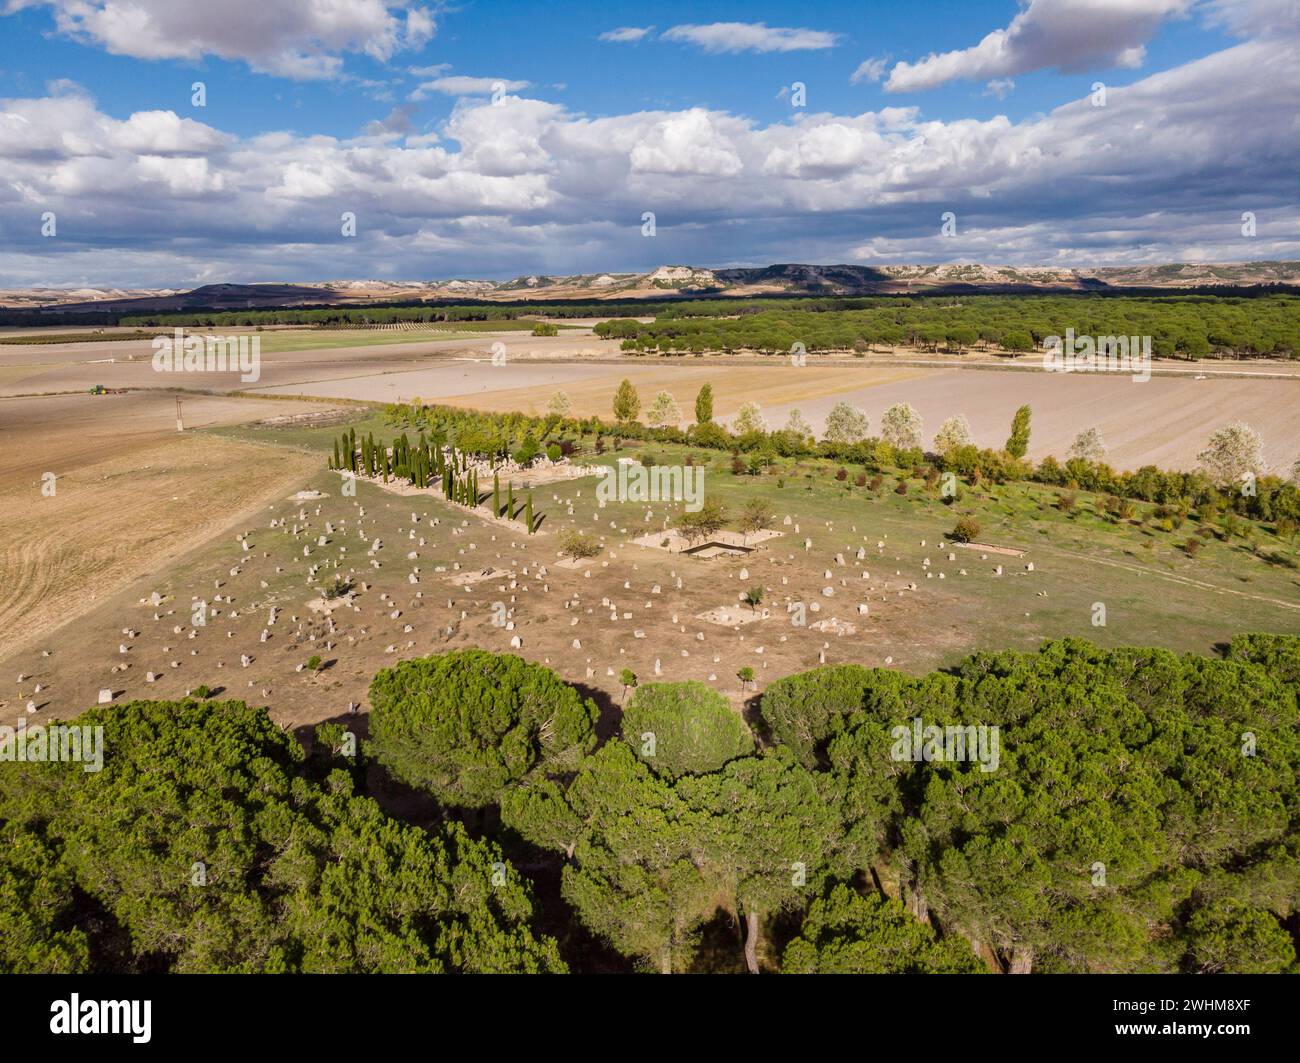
1141	801
468	724
1178	325
204	845
1082	809
849	933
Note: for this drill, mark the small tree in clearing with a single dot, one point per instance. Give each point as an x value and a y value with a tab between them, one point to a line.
749	419
845	424
577	546
755	517
1088	446
901	427
967	530
746	676
664	411
709	520
628	678
1234	450
560	404
754	598
953	433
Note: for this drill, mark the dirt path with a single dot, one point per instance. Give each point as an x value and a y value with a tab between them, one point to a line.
1186	581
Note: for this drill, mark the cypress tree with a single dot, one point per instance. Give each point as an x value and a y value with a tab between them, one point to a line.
334	464
510	502
528	513
496	493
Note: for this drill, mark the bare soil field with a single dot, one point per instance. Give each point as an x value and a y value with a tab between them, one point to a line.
127	494
1163	421
113	520
31	369
65	433
527	386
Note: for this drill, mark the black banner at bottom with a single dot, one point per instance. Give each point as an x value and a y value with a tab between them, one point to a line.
212	1012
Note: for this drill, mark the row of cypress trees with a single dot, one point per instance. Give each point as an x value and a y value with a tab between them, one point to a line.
423	463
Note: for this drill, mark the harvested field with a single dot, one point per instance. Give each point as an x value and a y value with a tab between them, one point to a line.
112	521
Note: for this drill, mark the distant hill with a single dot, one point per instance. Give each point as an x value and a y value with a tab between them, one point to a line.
672	280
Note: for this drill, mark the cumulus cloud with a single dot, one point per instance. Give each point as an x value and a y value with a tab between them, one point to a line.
1066	35
720	37
297	39
626	34
1162	172
691	143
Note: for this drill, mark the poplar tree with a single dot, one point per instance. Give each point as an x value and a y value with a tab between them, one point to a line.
1018	443
704	405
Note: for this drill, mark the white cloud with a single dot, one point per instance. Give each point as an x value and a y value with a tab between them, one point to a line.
462	85
1066	35
289	38
1253	18
1163	171
626	34
999	87
689	143
869	70
719	37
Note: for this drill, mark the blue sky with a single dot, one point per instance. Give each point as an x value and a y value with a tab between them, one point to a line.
387	111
